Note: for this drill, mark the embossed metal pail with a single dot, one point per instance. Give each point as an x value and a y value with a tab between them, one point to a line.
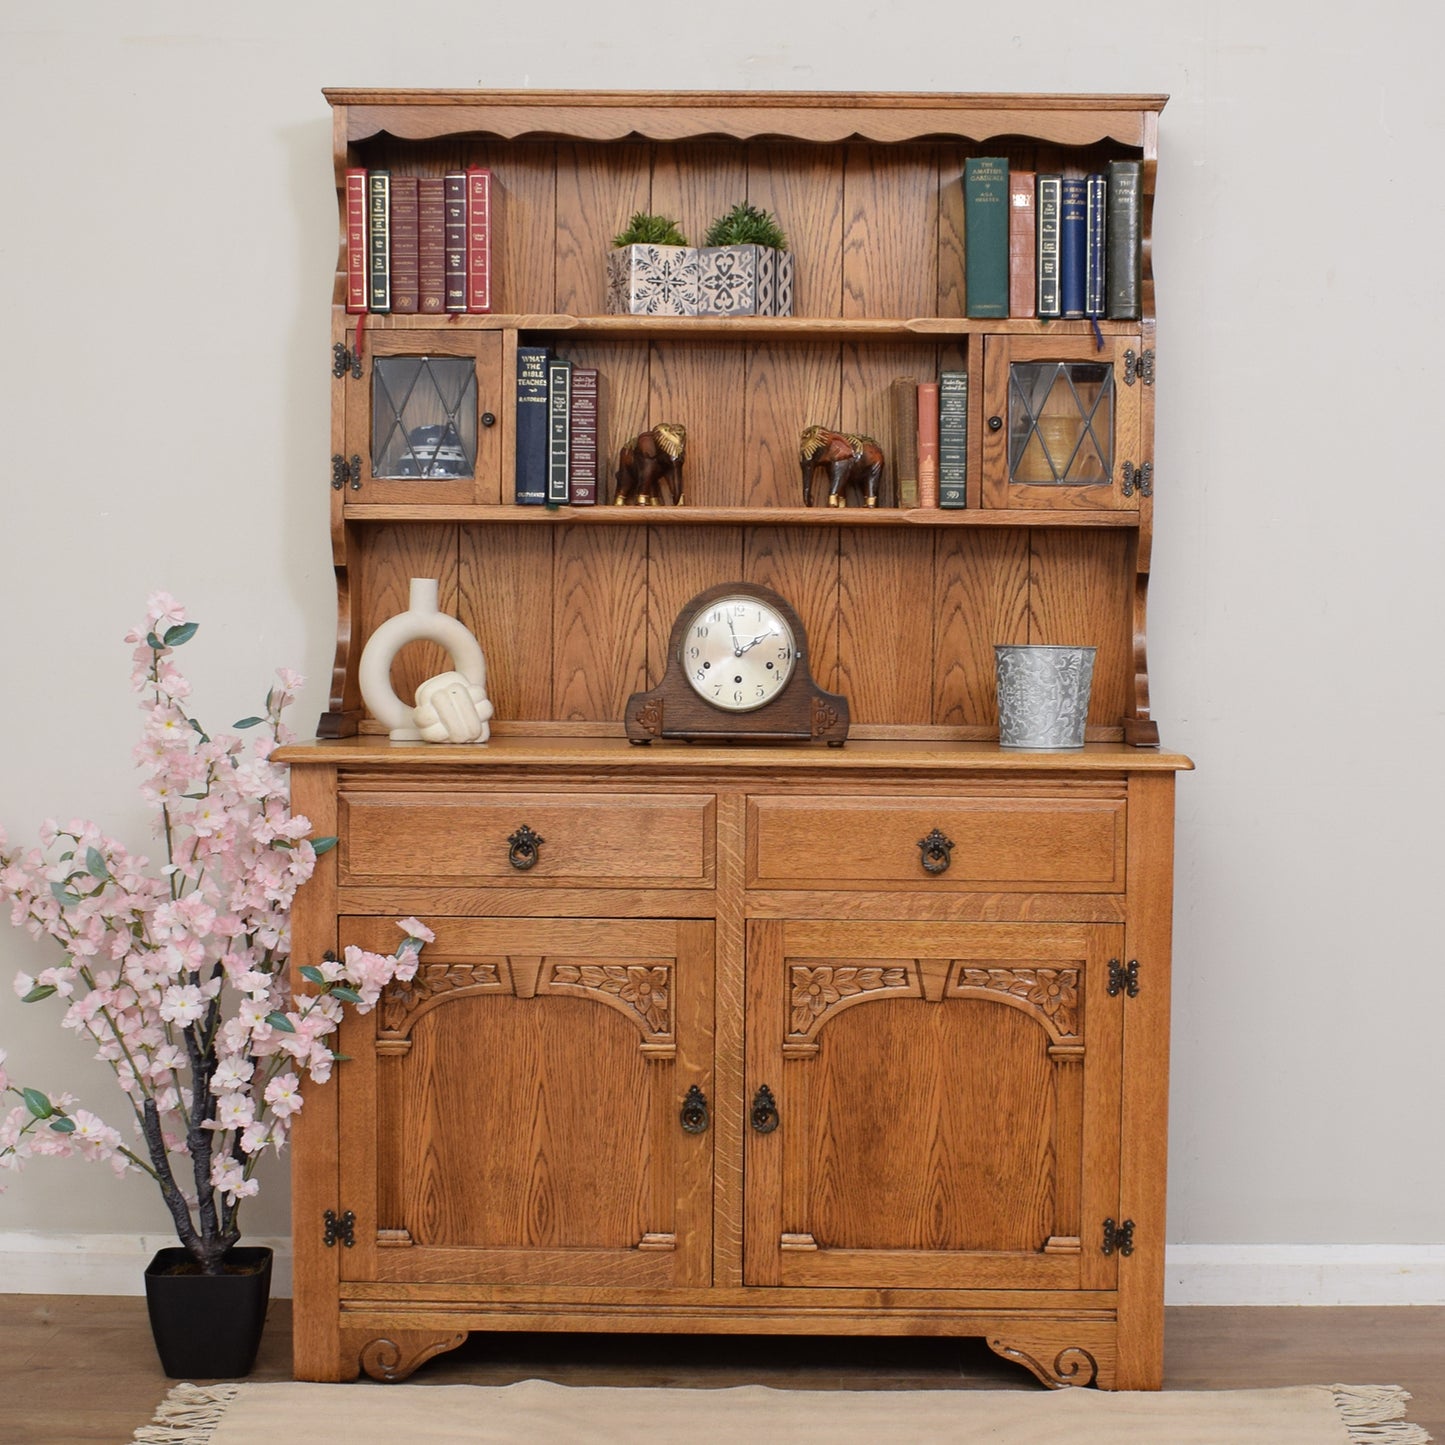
1043	696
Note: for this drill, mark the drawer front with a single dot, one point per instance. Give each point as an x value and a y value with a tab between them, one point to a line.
586	840
1037	844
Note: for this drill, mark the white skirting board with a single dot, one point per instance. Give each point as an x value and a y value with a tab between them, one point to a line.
33	1262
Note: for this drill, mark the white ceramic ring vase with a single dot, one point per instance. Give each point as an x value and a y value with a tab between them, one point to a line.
423	621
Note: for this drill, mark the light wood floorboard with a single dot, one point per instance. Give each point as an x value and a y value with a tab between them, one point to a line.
82	1368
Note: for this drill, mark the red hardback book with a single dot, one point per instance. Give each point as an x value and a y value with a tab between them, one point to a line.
479	238
927	443
454	191
356	240
405	282
1022	244
431	245
586	422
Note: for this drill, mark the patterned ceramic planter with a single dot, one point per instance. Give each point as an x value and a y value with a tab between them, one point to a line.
743	281
735	280
649	280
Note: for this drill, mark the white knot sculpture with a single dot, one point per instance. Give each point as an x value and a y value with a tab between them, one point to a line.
451	707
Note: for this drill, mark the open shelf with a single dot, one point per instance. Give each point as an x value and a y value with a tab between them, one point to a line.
778	328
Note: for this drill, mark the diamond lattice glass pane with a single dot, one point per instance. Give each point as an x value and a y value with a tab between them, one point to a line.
1061	423
423	417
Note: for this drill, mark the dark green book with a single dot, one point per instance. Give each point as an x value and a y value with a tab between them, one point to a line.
953	439
378	233
1121	242
985	236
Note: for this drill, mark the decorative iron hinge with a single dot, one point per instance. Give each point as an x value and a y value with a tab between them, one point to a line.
343	471
1141	477
1139	366
1119	1236
343	359
343	1229
1124	978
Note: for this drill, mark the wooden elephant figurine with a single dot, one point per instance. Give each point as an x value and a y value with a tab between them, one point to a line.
848	458
649	460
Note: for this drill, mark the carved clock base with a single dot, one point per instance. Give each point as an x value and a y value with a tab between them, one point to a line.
394	1356
1055	1361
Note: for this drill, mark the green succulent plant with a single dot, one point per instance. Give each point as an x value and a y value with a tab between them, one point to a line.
645	229
746	225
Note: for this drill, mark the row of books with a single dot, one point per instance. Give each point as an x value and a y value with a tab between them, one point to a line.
559	431
929	459
418	244
1051	245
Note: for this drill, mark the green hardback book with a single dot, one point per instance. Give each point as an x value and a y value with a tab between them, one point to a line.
953	439
985	236
1121	266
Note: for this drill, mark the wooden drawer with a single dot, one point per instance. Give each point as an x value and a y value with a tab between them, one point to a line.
1032	843
589	840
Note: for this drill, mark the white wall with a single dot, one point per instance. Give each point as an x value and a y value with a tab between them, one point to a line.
169	238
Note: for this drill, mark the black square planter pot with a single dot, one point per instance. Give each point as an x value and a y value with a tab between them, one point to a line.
208	1326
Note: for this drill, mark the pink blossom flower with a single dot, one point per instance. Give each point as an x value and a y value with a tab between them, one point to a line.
182	1004
415	928
283	1094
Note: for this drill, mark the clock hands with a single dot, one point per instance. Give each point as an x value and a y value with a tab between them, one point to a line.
761	637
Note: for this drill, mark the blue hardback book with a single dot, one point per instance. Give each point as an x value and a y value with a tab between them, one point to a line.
1073	245
532	425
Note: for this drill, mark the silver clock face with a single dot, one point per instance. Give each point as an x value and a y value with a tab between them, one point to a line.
738	653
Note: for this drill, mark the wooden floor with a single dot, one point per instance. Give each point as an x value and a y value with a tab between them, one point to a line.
81	1368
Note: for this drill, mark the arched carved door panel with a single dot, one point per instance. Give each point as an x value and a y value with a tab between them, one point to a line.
947	1097
515	1108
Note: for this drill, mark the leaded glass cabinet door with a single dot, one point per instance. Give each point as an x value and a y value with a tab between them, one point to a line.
423	419
1062	423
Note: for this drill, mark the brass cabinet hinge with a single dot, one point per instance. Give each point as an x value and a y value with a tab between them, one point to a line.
343	359
1119	1236
1140	477
1124	978
343	1228
343	471
1138	366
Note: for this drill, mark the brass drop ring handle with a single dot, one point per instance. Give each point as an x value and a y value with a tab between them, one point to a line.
526	848
694	1115
764	1114
936	852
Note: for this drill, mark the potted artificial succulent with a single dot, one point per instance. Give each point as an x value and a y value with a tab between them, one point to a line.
744	266
651	271
179	974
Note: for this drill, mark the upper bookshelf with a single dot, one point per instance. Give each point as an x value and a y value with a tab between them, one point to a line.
574	604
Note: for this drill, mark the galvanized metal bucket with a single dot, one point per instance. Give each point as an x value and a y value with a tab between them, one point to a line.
1043	696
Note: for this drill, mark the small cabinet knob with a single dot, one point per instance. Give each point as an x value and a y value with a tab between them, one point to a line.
526	848
489	418
764	1114
995	423
935	852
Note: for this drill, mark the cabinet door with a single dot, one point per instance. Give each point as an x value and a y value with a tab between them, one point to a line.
947	1104
1061	422
513	1114
423	419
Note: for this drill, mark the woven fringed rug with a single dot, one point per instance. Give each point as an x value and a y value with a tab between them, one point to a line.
540	1413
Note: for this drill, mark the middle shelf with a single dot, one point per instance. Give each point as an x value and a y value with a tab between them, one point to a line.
686	516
